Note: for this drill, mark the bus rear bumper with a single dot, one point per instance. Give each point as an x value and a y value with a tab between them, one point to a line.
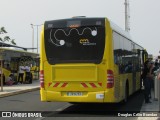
96	97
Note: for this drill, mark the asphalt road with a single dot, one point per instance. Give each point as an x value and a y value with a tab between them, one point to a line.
60	110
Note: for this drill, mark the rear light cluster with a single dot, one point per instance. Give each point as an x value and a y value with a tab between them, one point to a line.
42	78
110	79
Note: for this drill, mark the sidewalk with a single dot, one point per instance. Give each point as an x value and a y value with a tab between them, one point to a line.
21	88
150	108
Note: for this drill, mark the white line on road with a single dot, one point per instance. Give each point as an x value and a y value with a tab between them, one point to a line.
58	110
40	118
64	107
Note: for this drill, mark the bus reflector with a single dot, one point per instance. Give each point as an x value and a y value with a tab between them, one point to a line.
42	78
110	79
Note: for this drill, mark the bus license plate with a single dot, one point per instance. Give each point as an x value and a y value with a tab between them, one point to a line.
74	93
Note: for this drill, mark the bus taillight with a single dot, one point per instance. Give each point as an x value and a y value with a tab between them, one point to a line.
110	79
42	78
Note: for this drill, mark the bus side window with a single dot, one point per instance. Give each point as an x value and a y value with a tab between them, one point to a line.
118	61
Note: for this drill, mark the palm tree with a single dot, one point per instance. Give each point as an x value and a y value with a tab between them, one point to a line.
1	39
6	38
13	42
2	30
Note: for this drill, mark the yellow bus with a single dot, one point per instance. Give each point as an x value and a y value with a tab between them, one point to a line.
88	60
11	58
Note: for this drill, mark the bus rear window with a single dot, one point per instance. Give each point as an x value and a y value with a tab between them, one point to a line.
75	40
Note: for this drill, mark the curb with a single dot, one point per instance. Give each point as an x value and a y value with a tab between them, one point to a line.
19	92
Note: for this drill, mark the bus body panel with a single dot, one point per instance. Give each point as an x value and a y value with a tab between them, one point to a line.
82	77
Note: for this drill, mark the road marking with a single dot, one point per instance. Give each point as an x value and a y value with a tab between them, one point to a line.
58	110
62	108
40	118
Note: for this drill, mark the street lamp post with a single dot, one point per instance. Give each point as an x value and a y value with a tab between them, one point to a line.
33	35
32	38
37	38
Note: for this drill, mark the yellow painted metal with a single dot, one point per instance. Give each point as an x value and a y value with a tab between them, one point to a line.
75	74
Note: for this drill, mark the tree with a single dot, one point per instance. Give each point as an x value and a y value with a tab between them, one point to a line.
13	42
2	30
6	38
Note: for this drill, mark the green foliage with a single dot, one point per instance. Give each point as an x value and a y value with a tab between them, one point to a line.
1	39
2	30
13	42
6	38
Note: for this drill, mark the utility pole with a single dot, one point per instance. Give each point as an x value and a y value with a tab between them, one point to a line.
127	16
37	34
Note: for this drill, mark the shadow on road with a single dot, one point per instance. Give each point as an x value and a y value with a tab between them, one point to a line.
100	109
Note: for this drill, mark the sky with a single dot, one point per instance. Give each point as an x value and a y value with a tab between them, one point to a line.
17	15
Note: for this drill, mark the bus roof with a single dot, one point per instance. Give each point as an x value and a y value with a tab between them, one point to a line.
14	46
7	53
120	31
117	29
16	50
9	45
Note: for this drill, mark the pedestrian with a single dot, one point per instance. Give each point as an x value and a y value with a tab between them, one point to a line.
159	76
147	76
21	73
156	67
10	80
151	78
28	74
